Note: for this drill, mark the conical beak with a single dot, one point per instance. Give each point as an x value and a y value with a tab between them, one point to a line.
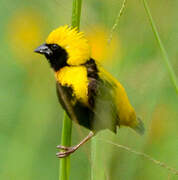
43	49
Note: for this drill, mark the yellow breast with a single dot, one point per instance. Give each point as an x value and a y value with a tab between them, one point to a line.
76	78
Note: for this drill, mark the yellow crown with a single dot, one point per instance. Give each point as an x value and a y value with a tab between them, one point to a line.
73	42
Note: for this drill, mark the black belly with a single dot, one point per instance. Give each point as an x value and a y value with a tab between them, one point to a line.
102	116
83	114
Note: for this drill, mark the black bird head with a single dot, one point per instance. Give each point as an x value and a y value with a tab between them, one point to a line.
56	55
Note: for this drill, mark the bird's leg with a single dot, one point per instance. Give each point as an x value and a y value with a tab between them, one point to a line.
68	150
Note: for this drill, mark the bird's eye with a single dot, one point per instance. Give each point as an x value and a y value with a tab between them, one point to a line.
54	47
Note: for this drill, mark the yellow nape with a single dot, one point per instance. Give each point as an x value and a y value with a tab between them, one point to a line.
73	42
76	78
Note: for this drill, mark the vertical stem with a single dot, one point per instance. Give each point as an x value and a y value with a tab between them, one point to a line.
161	46
93	157
117	20
67	123
76	12
65	141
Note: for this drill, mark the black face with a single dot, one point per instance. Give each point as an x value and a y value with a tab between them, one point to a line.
56	55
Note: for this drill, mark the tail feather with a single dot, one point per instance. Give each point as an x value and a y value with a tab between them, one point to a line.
140	129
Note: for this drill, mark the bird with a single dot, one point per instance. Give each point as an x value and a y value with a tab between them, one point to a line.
89	94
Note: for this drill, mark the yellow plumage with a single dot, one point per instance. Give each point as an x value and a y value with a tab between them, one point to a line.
74	68
76	78
73	42
126	112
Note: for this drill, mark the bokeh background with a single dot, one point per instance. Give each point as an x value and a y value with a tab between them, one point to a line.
31	118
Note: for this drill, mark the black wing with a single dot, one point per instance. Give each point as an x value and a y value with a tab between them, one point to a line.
77	112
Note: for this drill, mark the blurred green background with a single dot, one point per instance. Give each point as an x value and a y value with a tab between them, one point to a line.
30	116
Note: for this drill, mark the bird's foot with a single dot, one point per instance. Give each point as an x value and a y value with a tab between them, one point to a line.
66	151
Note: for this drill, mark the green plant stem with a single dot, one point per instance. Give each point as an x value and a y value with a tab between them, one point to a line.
161	46
67	123
93	157
123	7
65	141
76	12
